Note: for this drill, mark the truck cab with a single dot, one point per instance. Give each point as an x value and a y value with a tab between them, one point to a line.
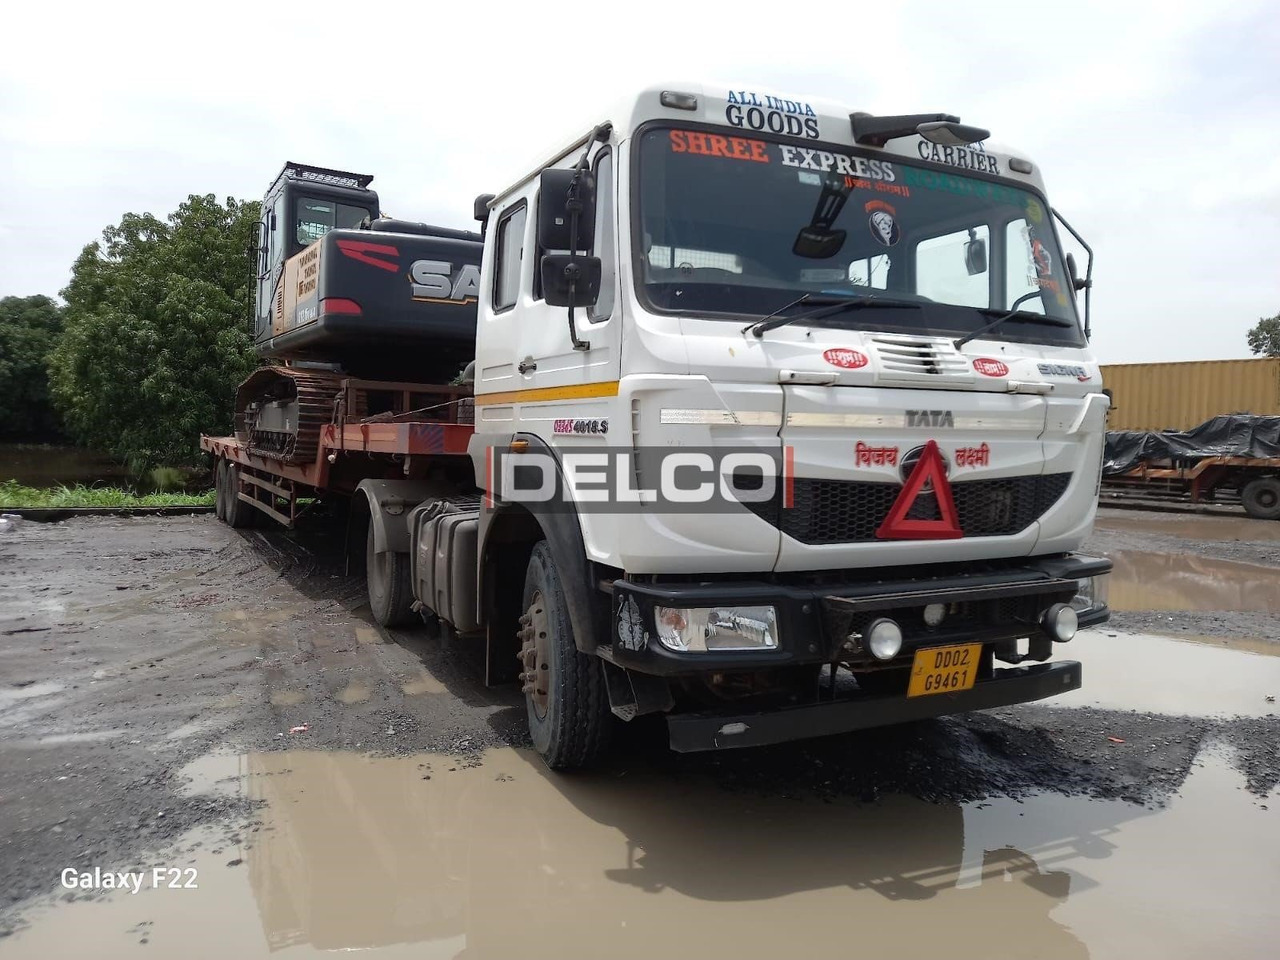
865	331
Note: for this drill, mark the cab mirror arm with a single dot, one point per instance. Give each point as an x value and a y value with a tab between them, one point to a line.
1077	283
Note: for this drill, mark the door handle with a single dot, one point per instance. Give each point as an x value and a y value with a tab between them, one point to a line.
527	365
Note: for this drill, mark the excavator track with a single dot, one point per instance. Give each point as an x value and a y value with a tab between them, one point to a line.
280	412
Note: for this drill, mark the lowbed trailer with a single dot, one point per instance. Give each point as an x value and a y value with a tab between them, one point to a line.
778	419
349	452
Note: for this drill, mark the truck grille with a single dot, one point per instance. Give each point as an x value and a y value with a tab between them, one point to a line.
841	511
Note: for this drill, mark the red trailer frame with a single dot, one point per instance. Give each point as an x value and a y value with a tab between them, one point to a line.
387	445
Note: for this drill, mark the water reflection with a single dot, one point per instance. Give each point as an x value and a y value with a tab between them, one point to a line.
1180	581
498	860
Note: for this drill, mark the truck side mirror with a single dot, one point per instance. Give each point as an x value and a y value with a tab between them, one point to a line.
555	210
975	255
1076	282
570	281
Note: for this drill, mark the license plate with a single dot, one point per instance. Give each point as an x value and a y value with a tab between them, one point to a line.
944	669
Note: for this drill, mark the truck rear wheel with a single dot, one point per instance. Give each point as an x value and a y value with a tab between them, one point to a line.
568	706
1261	498
234	510
390	592
220	489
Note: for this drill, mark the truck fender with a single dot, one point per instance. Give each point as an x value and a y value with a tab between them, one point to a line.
388	503
525	523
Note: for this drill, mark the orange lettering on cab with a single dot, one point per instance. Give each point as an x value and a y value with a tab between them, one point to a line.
711	145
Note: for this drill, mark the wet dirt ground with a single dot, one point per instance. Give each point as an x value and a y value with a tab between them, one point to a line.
151	673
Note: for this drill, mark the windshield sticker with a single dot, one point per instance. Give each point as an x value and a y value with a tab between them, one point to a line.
1035	213
710	145
759	111
962	186
991	368
882	223
974	156
844	357
824	160
810	179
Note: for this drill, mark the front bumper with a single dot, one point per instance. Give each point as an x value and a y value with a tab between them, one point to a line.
692	732
992	603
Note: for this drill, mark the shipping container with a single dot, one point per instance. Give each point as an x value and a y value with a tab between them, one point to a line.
1178	396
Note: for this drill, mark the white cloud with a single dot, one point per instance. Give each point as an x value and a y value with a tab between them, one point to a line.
1156	125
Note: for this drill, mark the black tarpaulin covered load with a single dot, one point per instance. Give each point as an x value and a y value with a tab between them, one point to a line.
1232	435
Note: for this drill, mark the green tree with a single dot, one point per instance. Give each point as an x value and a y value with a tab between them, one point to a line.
156	332
1264	339
29	328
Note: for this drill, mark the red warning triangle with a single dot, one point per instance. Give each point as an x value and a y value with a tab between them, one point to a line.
929	469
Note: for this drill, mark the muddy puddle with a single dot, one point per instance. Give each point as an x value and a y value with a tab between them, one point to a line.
425	857
1173	676
1195	527
1186	582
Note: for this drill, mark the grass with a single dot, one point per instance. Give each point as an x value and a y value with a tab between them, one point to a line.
13	494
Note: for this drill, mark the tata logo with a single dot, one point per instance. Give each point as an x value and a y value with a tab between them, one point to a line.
434	280
930	418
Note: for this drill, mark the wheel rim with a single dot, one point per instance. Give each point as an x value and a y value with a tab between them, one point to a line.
1268	499
535	655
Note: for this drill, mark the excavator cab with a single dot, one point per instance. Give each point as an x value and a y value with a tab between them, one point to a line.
302	205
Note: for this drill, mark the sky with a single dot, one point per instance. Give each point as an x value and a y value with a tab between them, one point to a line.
1157	126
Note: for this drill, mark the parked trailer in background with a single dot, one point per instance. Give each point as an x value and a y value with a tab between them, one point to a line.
1180	396
1236	453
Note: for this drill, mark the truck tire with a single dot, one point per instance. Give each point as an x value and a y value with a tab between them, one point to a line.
220	489
1261	498
235	511
568	705
390	592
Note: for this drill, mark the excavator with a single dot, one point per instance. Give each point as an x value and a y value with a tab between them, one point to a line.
340	292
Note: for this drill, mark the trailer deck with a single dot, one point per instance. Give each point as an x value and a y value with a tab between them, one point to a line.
388	445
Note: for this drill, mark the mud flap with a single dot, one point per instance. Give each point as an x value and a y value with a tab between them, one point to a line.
633	695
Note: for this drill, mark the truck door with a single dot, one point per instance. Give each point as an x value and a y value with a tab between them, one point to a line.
524	352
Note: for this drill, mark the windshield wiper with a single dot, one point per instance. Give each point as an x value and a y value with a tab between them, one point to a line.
829	306
1024	315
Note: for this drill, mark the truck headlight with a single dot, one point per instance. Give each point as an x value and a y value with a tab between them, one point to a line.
699	629
1091	593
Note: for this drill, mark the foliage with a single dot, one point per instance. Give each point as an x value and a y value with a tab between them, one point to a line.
13	494
1264	339
29	328
156	332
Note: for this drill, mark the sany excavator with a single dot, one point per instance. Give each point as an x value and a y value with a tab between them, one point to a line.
341	292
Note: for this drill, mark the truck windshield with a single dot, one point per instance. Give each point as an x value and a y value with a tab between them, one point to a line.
736	227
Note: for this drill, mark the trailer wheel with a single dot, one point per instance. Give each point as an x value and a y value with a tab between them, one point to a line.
568	706
390	591
220	489
235	511
1261	498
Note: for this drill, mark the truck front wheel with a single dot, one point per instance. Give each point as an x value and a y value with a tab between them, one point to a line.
568	706
1261	498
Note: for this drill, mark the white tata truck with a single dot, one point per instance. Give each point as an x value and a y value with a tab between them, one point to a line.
785	424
